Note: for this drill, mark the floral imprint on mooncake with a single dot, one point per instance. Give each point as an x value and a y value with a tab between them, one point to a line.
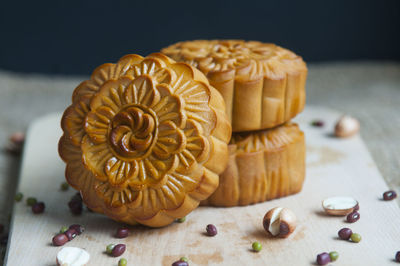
145	135
263	84
250	58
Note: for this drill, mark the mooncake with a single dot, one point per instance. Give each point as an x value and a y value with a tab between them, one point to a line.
263	84
145	139
262	165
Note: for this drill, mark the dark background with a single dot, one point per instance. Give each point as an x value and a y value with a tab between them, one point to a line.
73	37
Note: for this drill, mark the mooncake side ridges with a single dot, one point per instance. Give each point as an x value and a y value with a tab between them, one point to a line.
262	165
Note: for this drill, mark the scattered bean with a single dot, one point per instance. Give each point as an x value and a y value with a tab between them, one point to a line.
345	233
317	123
60	239
122	262
333	255
181	220
355	237
17	138
38	207
184	259
180	263
63	229
256	246
397	257
78	228
357	207
15	143
75	206
389	195
122	232
110	248
211	230
118	250
18	197
353	217
323	258
71	234
64	186
31	201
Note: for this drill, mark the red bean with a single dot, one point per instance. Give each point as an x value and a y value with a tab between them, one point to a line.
38	207
397	258
211	230
122	232
323	258
353	217
318	123
17	138
75	206
16	142
345	233
78	228
118	250
60	239
389	195
71	234
180	263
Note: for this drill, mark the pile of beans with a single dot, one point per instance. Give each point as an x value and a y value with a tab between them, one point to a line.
347	234
324	258
66	235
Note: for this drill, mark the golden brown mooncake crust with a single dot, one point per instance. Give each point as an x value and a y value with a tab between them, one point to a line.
145	139
262	165
263	85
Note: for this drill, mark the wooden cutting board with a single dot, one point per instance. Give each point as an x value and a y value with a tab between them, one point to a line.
334	167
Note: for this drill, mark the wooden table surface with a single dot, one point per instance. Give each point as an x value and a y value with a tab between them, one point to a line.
369	91
334	167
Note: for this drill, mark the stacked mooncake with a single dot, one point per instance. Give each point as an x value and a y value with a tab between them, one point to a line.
263	86
148	139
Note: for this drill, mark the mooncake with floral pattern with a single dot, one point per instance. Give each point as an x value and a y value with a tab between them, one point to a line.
263	84
145	139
